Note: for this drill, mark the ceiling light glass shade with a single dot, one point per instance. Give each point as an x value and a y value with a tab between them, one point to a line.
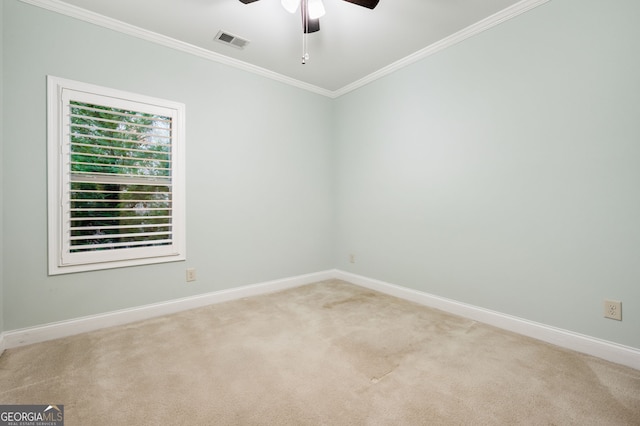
290	5
316	9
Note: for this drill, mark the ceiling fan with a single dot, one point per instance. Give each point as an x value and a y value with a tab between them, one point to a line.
312	10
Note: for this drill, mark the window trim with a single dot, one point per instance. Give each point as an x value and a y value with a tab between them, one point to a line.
57	157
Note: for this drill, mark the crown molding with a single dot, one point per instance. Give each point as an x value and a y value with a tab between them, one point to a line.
63	8
470	31
76	12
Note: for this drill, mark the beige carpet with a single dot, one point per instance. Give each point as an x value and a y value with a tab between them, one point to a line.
329	353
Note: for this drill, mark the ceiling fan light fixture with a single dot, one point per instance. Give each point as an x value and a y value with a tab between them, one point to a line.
316	9
290	5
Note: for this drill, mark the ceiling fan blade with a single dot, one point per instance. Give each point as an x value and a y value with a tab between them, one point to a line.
247	1
369	4
314	25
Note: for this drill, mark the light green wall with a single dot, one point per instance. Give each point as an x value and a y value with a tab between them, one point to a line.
258	170
503	171
1	171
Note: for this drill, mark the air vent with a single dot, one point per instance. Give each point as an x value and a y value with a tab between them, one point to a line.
231	40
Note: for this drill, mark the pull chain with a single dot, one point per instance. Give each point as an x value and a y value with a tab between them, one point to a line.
305	55
305	19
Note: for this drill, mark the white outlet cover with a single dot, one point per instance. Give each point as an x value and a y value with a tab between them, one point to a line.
613	309
191	274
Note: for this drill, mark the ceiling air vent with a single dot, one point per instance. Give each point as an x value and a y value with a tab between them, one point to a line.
231	40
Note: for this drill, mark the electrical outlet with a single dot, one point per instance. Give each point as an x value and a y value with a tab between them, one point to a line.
613	309
191	274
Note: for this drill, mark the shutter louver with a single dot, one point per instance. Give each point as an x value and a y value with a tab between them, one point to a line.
120	186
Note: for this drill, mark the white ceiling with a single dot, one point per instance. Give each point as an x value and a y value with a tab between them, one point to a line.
353	42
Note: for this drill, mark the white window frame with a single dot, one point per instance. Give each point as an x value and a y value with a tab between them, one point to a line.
59	93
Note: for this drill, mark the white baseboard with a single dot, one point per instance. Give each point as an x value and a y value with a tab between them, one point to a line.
27	336
609	351
567	339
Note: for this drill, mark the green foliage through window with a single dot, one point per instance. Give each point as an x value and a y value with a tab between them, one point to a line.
121	187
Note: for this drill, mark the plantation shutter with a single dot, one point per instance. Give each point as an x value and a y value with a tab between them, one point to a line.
118	179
